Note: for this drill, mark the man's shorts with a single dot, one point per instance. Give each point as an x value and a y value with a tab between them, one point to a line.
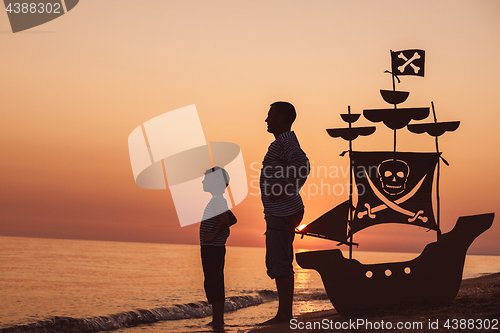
279	244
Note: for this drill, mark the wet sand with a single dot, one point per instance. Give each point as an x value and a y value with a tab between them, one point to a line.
476	306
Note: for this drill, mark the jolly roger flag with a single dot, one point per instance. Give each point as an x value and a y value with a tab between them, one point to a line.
408	62
393	187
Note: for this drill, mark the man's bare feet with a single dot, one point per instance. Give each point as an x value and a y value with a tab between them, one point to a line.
216	325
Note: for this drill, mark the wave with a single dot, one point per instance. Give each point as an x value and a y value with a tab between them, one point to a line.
138	316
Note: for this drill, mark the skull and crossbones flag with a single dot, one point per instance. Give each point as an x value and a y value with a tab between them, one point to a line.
408	62
393	187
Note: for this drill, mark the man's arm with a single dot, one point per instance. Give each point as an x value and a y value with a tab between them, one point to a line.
296	169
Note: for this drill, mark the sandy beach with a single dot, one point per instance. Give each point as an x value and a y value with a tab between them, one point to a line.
475	309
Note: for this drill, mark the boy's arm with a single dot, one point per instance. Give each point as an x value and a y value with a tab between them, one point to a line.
224	222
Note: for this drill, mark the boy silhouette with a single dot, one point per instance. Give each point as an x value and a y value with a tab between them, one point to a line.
214	231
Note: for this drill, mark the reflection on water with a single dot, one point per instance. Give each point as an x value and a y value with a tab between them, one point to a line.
303	278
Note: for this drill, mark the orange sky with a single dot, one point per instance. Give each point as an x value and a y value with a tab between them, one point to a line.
74	88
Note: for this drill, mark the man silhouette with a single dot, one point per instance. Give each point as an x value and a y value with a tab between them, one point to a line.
284	171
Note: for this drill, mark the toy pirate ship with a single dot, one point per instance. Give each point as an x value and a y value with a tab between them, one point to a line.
392	187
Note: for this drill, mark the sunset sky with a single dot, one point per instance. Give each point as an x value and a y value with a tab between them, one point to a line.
73	89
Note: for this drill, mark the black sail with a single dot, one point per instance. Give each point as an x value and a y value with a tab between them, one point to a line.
331	225
393	187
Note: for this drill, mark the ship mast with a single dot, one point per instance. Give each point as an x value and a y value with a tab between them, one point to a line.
395	105
436	129
351	212
350	134
438	199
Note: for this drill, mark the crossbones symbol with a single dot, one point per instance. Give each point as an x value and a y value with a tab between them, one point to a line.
394	205
408	62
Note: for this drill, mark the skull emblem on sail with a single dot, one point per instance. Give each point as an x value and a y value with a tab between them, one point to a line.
393	176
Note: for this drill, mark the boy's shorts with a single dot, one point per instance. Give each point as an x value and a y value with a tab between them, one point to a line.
212	260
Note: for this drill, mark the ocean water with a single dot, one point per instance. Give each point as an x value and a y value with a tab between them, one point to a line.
101	285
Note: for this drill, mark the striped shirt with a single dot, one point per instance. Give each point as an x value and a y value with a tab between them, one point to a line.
285	168
210	222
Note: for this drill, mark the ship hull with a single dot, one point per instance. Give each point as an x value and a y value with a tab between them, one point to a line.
435	275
